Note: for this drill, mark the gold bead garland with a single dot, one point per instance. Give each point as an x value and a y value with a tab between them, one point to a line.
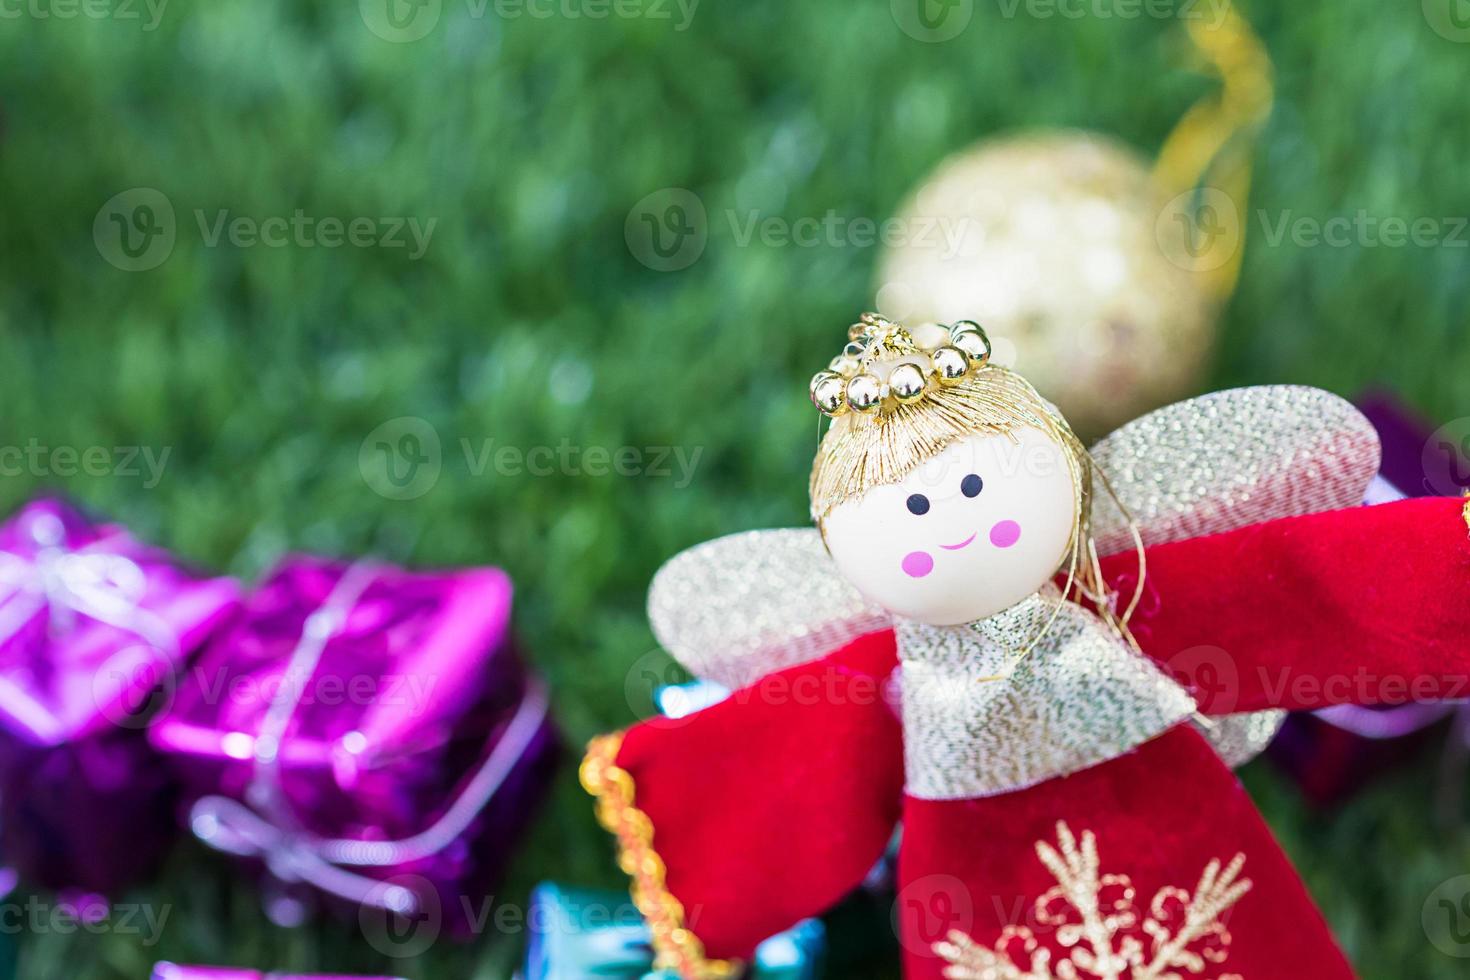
849	384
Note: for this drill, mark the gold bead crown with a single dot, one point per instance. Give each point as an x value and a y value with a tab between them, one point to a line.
883	365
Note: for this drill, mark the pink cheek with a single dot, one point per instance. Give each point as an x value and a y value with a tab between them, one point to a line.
1005	534
917	564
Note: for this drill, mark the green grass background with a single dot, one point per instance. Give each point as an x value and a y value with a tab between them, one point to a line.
529	140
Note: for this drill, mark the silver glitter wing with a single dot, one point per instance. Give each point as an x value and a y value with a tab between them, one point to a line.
1233	458
737	608
1227	460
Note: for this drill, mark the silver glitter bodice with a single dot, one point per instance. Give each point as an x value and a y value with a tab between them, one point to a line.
1080	697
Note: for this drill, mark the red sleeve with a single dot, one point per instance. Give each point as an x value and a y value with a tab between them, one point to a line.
770	806
1369	605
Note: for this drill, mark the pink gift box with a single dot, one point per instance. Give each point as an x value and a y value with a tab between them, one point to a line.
367	734
94	630
172	971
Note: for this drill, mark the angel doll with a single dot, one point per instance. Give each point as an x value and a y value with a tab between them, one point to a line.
1043	661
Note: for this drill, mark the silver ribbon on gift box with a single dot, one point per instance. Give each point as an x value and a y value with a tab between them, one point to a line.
267	830
94	582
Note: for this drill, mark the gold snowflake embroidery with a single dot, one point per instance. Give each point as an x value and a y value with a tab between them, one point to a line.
1104	934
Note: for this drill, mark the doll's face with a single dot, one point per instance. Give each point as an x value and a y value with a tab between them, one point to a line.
973	531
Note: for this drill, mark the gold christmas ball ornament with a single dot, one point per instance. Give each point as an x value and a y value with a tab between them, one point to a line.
907	382
1062	244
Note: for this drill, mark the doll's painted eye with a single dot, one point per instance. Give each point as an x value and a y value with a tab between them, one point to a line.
918	504
971	485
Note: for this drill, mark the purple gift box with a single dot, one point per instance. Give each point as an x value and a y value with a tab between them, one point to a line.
94	627
172	971
365	734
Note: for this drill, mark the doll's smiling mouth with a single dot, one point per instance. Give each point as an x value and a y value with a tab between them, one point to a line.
962	544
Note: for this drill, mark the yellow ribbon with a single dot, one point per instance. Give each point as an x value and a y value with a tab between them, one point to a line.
1215	139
